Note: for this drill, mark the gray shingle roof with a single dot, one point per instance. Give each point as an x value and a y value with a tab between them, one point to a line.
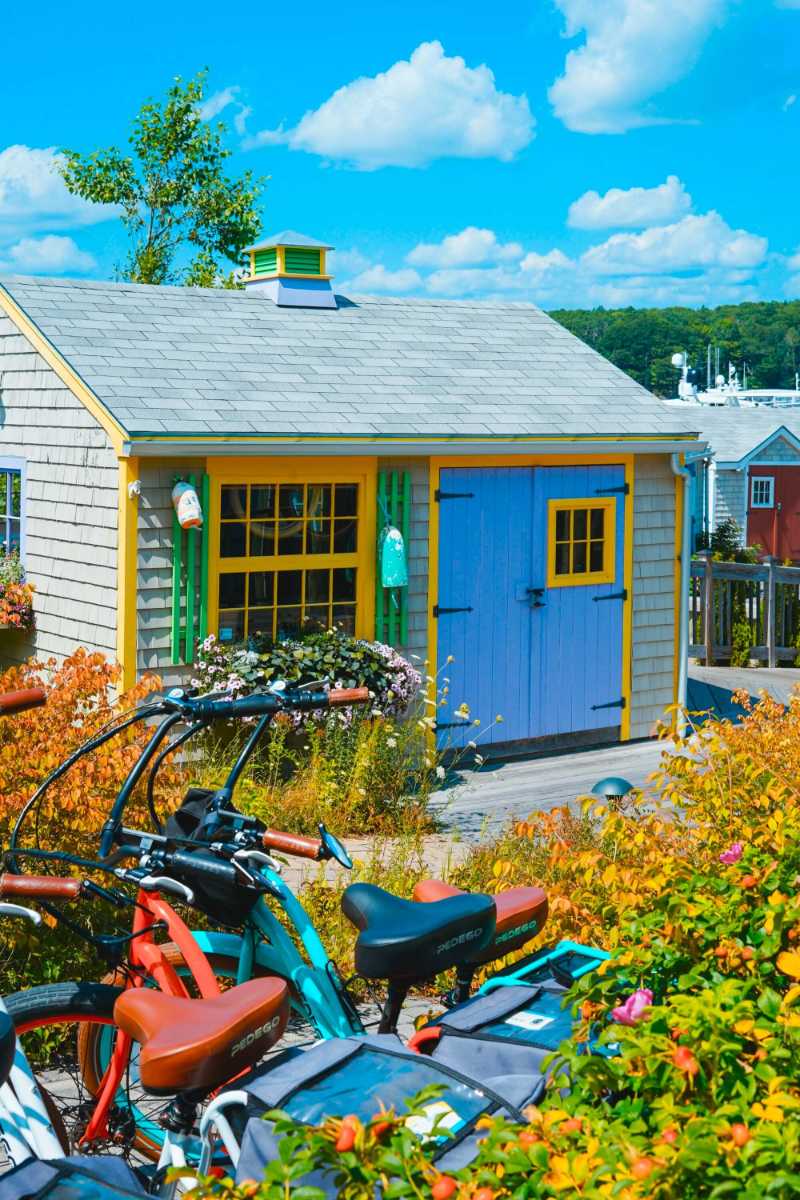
733	433
290	237
208	361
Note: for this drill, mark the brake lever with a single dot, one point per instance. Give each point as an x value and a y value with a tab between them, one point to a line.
158	883
17	910
259	858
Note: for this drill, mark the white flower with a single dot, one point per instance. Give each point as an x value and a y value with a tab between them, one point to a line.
391	742
440	772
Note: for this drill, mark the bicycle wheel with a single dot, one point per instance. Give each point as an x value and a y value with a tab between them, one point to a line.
67	1031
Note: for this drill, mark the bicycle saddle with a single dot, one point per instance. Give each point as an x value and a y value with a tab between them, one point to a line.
196	1045
521	913
401	940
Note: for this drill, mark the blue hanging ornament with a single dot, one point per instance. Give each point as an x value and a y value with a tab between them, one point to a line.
394	568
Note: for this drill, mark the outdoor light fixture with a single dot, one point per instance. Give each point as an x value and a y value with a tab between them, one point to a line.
613	788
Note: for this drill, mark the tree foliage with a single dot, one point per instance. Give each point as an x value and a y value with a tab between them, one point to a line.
642	341
183	215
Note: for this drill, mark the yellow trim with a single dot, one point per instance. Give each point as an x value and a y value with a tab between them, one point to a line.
627	608
582	578
362	471
280	252
116	433
628	461
680	494
127	537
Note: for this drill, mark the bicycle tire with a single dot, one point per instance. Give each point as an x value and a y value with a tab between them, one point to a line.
69	1078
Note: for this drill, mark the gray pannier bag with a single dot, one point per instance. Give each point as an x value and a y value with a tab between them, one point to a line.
363	1076
72	1178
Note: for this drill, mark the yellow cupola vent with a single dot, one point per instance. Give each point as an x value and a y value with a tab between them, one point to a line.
289	269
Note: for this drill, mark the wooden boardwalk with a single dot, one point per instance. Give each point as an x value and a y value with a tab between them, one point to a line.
483	802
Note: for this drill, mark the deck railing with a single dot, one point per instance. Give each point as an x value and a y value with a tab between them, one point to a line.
745	610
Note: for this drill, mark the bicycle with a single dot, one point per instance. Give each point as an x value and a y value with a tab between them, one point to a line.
222	868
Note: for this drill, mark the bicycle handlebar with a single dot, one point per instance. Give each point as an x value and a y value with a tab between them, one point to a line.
293	843
21	701
39	887
261	703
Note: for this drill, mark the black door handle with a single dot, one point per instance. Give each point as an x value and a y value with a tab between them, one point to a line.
536	593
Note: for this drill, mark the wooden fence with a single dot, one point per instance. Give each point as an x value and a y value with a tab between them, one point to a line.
744	611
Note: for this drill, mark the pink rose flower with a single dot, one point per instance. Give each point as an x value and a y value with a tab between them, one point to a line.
634	1008
729	857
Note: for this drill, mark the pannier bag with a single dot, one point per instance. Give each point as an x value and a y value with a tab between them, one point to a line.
363	1076
69	1179
516	1020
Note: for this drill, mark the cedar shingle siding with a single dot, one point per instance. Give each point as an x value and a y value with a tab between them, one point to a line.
70	506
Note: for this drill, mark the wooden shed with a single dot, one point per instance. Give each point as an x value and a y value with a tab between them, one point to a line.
533	482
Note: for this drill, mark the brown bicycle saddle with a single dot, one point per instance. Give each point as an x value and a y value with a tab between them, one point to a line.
196	1045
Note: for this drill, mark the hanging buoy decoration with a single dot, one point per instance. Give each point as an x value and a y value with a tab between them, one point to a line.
187	505
394	568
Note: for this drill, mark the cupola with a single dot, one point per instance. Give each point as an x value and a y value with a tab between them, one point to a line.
289	269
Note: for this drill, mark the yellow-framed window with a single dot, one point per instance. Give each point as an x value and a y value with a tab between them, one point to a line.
288	556
581	542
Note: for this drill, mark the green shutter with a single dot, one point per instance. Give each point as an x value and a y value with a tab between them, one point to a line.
301	260
266	261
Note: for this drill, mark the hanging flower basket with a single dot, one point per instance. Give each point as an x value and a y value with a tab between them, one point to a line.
16	596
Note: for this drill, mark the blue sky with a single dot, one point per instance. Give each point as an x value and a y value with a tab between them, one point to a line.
568	152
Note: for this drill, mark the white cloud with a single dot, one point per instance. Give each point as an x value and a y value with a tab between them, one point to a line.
214	104
378	279
34	196
787	3
633	50
630	208
691	243
468	248
419	110
350	261
538	263
789	101
49	255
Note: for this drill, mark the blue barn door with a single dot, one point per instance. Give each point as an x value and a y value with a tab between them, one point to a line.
530	601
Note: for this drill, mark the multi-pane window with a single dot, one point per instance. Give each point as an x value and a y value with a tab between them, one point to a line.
10	511
287	558
581	542
762	491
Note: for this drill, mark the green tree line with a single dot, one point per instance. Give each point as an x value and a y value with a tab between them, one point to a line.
641	341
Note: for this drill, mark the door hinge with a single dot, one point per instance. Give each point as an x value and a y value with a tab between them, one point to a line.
623	595
621	703
451	725
440	612
623	490
439	495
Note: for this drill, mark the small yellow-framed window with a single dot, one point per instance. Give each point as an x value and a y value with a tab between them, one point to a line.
581	542
289	555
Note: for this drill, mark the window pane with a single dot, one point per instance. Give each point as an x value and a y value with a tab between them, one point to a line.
231	590
344	618
16	493
562	558
316	618
579	524
290	500
3	493
579	558
319	500
290	537
262	501
13	534
262	538
344	537
261	589
231	625
288	623
232	540
290	585
346	499
234	502
318	586
562	525
259	621
344	583
596	556
318	537
597	523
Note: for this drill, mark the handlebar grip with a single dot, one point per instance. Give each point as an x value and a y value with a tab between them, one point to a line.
17	702
339	697
293	843
39	887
